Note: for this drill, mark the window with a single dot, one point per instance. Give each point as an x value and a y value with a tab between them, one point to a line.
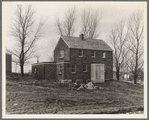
80	53
104	55
35	70
84	68
60	69
73	68
68	65
62	54
93	54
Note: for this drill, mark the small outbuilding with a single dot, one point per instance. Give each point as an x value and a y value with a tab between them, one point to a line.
8	63
44	70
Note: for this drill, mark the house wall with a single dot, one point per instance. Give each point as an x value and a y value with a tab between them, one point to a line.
71	54
61	46
38	71
60	76
87	59
44	71
67	71
50	71
79	72
8	63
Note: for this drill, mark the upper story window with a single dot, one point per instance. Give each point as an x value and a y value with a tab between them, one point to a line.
84	68
73	68
93	54
62	54
68	65
104	55
80	53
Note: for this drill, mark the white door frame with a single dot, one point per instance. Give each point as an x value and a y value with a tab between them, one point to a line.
94	73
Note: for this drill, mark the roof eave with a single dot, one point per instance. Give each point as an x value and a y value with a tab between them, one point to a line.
65	41
90	49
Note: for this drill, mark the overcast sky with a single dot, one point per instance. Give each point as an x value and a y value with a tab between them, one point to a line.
112	12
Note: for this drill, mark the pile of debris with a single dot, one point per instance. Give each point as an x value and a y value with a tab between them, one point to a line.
89	86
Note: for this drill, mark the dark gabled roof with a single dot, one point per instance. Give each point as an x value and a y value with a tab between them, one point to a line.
92	44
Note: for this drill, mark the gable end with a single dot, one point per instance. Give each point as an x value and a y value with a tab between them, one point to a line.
61	45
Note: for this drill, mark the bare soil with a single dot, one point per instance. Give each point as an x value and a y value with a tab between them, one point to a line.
29	96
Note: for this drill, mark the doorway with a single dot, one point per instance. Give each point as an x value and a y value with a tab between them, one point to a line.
97	73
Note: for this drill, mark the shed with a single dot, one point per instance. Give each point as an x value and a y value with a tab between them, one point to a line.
8	63
44	70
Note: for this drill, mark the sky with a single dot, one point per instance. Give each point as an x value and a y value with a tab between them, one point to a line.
112	13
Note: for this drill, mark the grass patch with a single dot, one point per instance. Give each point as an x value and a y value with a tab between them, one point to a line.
30	96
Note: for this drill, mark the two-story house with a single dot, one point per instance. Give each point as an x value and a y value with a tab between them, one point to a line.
81	58
77	58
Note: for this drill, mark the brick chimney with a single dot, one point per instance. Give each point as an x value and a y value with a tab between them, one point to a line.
81	36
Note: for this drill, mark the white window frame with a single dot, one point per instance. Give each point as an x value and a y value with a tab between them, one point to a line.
104	55
61	54
81	53
60	68
86	67
35	70
94	54
73	68
105	68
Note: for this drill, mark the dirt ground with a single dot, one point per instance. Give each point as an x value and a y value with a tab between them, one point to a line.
29	96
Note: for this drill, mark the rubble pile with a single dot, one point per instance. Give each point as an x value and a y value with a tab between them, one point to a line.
89	86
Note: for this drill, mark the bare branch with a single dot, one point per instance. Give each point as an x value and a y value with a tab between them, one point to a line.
12	52
91	23
136	28
118	40
22	30
51	58
67	27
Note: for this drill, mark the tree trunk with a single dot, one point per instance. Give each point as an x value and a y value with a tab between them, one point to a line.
135	79
22	70
136	73
22	64
117	74
136	66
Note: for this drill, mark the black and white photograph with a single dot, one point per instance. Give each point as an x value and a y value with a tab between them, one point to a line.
74	59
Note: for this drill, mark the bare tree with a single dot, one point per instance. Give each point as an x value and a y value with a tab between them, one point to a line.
67	26
51	58
136	29
91	23
26	32
118	39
